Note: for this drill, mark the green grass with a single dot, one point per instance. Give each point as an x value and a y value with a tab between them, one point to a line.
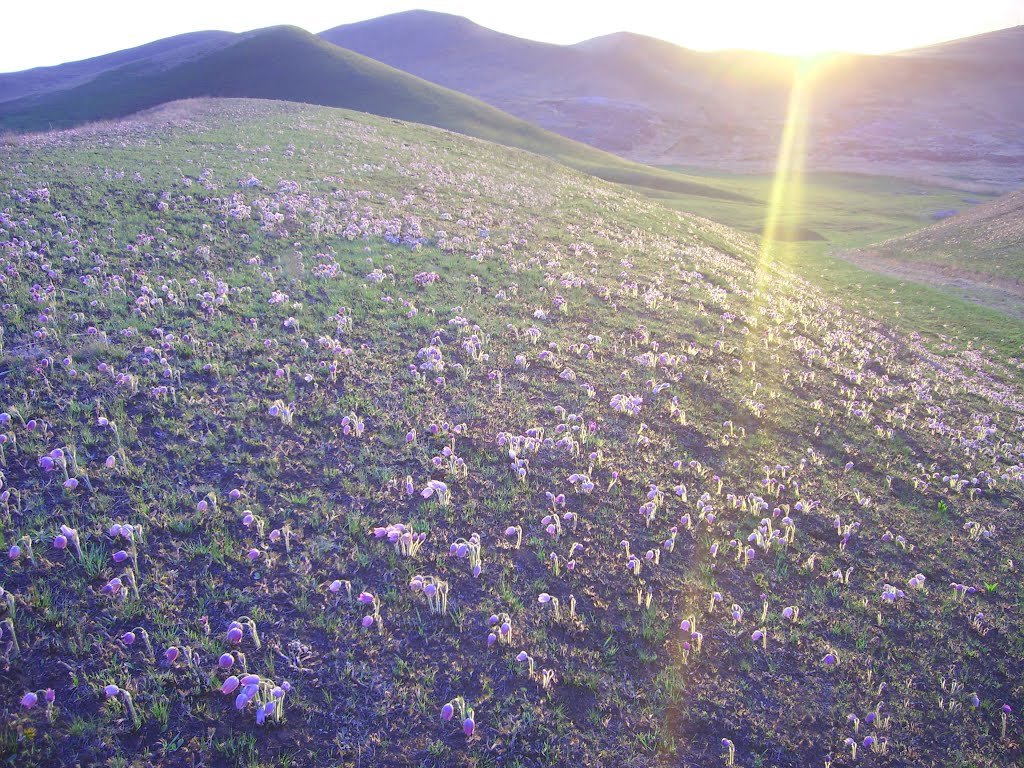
320	230
835	212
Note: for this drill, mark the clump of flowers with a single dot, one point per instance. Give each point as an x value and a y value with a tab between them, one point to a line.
439	489
336	587
68	536
30	699
435	590
7	633
267	695
501	629
112	691
469	548
545	599
24	545
116	587
236	631
372	618
630	404
406	541
465	712
66	459
282	411
138	633
730	756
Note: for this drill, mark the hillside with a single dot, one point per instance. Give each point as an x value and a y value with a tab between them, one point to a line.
290	64
330	439
154	56
978	250
1001	49
953	112
949	114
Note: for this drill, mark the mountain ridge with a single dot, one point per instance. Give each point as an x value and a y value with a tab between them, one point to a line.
288	63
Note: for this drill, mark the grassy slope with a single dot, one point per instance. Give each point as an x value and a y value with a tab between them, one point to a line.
290	64
985	239
147	223
159	54
849	211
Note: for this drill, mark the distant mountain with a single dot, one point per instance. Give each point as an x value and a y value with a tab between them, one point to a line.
290	64
620	92
954	111
1003	48
152	56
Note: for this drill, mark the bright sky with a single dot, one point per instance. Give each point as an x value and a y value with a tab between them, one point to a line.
45	32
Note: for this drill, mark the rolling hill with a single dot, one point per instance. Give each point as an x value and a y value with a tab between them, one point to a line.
152	57
336	440
979	253
288	63
953	111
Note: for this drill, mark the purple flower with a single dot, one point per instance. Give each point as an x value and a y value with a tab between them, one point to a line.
111	691
365	598
367	621
447	712
171	654
468	726
60	541
230	685
225	661
29	700
120	556
234	635
128	638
